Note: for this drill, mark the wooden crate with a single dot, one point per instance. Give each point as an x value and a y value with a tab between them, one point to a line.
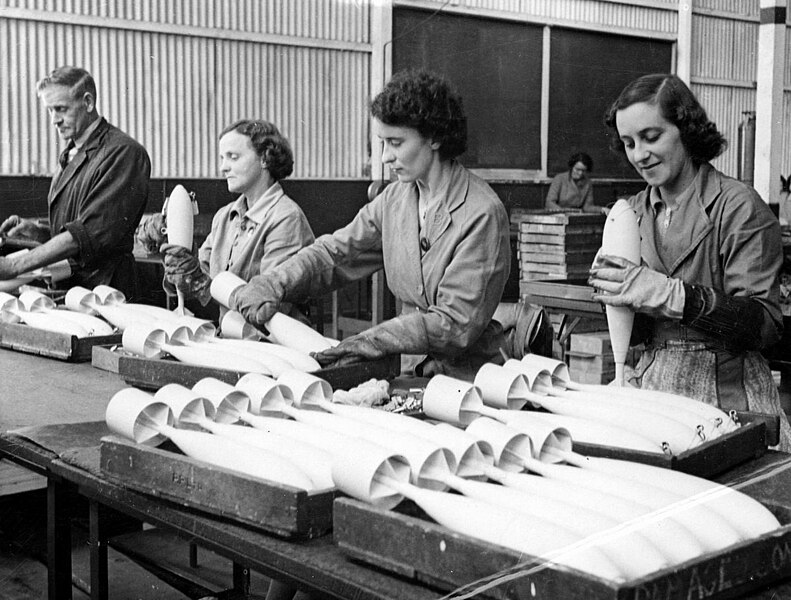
407	543
164	472
710	458
153	373
24	338
591	368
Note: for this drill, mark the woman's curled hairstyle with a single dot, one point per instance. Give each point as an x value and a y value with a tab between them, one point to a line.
425	102
268	143
679	106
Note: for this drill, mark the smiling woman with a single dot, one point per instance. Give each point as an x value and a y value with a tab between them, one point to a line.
258	231
706	291
439	232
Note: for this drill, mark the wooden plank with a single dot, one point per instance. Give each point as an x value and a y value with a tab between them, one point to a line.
153	373
406	542
30	340
581	240
557	249
449	560
707	460
568	231
276	508
532	252
106	358
15	479
558	218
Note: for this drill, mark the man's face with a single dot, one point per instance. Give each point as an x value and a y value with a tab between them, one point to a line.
71	116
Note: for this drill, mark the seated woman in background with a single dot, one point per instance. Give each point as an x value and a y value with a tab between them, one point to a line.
259	230
572	189
440	233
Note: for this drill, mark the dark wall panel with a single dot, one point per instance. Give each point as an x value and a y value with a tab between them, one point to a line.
587	72
495	66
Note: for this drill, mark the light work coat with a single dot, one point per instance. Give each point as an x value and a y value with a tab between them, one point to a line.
448	292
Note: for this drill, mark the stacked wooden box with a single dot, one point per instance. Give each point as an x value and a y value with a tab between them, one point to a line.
590	357
557	245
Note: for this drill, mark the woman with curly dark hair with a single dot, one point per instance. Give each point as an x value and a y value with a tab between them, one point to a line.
439	232
707	291
259	230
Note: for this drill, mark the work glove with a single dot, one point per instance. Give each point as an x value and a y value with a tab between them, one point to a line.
401	335
150	232
257	301
351	350
183	273
619	282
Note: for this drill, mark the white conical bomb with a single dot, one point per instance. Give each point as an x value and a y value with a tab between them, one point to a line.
179	218
223	285
13	311
35	301
621	237
143	418
150	342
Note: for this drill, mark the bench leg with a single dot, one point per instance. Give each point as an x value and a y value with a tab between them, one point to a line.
97	542
58	542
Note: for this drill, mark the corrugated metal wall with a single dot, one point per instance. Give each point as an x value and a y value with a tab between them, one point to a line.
173	73
724	60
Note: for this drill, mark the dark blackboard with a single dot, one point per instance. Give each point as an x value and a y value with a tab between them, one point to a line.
495	66
587	72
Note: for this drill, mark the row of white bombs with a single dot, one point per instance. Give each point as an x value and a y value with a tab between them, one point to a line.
605	415
616	520
151	330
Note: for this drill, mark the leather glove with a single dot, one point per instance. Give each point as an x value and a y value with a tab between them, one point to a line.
351	350
149	233
258	300
619	282
183	271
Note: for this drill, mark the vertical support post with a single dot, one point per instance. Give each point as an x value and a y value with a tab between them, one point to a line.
546	44
684	43
241	580
381	69
58	541
97	544
769	99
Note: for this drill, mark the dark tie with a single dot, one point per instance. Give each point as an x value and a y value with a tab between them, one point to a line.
63	159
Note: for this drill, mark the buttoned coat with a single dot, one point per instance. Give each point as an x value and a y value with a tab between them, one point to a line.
448	290
99	197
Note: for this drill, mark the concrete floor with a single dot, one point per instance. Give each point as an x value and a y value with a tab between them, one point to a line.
23	572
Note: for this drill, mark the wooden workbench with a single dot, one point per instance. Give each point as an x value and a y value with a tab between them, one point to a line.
46	392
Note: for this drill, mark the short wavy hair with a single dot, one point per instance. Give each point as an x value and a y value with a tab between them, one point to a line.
582	157
679	106
77	79
268	143
426	102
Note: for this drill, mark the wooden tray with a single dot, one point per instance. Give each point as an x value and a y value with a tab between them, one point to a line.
710	458
569	295
164	472
407	543
153	373
24	338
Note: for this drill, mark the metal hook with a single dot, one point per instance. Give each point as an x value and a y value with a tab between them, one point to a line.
701	431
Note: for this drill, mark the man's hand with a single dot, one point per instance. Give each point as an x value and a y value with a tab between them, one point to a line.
7	270
16	227
619	282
